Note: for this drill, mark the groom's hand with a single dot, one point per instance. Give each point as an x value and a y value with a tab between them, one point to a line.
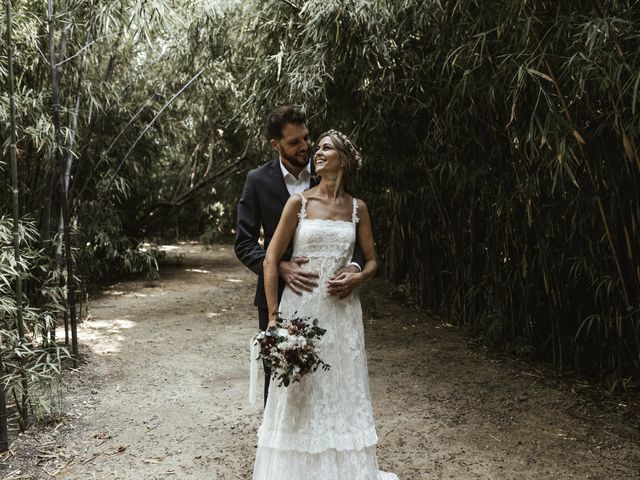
344	281
298	280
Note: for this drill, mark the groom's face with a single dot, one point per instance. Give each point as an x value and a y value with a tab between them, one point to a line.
294	146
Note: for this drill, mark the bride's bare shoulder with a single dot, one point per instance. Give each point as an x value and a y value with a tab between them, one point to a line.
362	210
360	203
294	201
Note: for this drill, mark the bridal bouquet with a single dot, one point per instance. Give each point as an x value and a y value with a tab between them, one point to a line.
289	349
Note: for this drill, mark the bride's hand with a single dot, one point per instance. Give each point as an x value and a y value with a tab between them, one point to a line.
273	319
298	279
344	281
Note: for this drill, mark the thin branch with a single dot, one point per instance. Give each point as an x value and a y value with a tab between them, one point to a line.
149	125
106	152
229	169
193	192
292	5
77	53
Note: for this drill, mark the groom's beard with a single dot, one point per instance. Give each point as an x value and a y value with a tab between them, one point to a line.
296	161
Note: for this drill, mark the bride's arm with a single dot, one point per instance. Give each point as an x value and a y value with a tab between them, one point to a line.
278	245
344	283
364	235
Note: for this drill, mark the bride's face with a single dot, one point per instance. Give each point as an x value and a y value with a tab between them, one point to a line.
327	158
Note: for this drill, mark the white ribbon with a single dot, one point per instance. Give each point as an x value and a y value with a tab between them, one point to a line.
253	371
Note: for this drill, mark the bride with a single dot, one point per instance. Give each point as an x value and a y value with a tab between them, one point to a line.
322	428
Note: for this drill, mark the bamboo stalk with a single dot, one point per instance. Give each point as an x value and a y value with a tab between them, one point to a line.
65	172
63	198
594	180
4	431
24	419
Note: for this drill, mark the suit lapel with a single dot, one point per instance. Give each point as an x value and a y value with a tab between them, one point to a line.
278	181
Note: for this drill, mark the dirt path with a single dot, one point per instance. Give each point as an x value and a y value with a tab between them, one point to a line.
163	394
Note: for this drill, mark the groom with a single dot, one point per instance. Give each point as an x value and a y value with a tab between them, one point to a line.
265	192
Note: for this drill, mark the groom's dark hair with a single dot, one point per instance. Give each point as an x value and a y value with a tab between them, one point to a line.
281	116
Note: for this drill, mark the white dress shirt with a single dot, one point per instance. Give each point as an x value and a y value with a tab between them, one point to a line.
296	185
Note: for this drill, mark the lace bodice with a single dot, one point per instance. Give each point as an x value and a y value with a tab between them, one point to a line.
328	244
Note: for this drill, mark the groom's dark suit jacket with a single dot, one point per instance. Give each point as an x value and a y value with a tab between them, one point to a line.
261	204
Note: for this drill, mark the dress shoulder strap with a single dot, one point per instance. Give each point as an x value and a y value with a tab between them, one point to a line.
303	207
354	212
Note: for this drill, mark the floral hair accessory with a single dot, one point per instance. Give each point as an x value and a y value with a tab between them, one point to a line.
348	145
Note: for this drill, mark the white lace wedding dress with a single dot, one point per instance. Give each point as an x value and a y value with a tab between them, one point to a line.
322	427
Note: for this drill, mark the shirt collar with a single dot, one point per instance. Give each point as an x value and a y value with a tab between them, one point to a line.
286	173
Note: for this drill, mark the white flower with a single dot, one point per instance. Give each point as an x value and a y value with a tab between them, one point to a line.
287	345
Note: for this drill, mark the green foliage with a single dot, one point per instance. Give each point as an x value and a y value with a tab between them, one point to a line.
500	138
106	251
502	161
36	359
